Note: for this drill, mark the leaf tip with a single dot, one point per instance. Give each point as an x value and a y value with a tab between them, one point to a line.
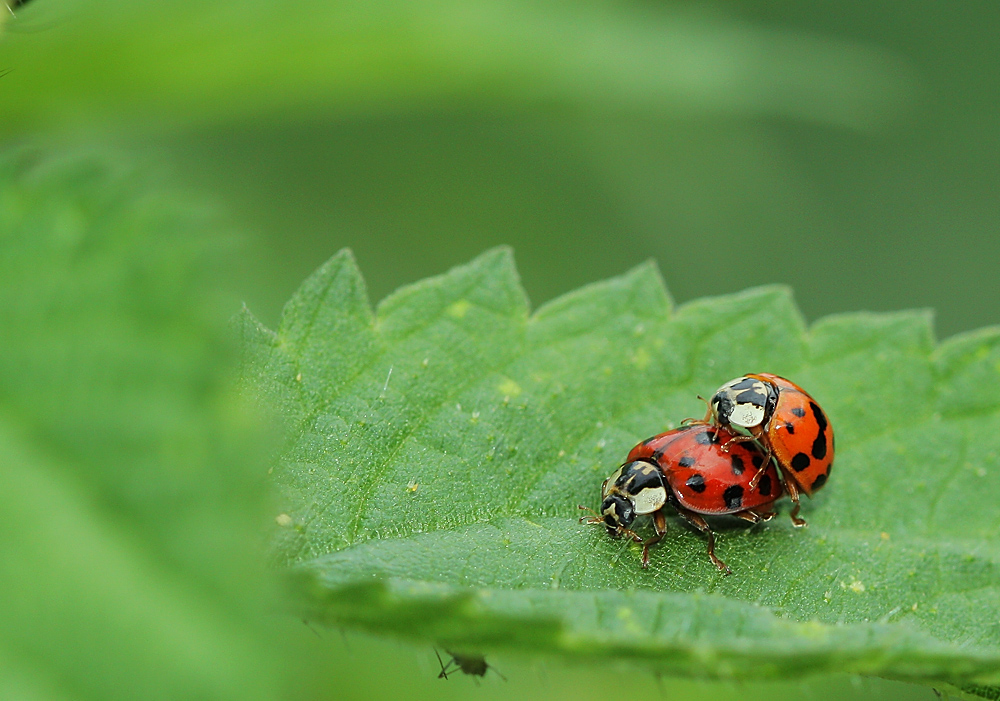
837	334
490	281
337	285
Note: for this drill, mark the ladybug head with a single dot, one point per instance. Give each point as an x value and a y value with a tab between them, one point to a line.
635	488
744	403
618	513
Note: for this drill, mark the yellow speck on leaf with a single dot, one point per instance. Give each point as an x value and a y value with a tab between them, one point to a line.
855	586
509	388
412	487
283	520
459	308
641	358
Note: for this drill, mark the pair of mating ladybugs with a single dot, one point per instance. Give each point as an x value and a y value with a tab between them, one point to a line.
727	463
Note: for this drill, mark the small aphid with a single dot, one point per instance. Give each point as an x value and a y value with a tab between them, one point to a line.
14	4
11	5
473	665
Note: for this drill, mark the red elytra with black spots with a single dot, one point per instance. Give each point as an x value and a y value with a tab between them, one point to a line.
799	435
707	479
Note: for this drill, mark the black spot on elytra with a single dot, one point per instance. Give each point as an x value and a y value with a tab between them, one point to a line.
737	462
757	461
686	461
764	486
733	496
819	481
799	411
705	437
790	428
696	483
649	440
800	462
819	445
657	454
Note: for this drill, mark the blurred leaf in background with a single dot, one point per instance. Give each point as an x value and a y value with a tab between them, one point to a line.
848	149
132	470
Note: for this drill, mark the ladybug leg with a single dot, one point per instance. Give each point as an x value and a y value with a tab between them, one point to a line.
702	525
737	439
754	438
793	494
754	516
660	525
760	470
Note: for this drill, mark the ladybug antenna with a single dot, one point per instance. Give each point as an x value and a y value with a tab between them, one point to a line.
590	520
707	421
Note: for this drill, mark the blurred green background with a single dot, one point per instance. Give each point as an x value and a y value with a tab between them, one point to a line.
850	149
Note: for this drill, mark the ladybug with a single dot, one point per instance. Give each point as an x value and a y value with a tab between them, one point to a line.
785	422
688	469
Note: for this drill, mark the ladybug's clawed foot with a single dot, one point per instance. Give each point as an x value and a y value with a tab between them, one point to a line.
645	549
754	516
796	521
723	567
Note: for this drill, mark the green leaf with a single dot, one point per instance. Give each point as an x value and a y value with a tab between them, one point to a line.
383	56
132	470
438	449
